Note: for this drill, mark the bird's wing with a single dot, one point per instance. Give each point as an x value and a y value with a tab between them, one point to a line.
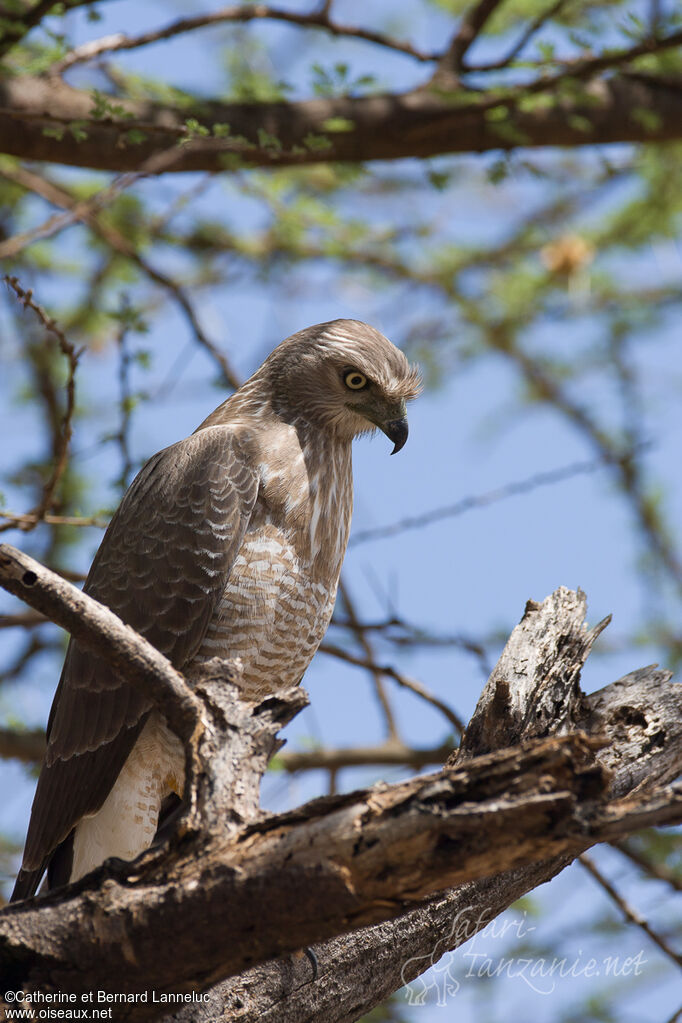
162	567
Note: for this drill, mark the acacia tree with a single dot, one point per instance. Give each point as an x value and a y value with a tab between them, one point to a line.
184	191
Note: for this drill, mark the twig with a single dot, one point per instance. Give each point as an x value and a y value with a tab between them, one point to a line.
29	519
389	754
402	680
28	746
125	400
524	39
239	13
587	67
25	620
632	915
540	479
654	17
17	24
414	636
156	164
35	644
82	212
657	870
470	26
364	642
574	68
63	439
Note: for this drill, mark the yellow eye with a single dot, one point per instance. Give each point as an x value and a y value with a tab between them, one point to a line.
355	380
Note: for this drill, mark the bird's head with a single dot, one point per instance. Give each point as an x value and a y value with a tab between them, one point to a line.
346	377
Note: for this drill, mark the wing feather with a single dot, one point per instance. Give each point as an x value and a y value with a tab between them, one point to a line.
162	567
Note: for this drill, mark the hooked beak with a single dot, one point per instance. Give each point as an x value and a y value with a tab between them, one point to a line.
396	431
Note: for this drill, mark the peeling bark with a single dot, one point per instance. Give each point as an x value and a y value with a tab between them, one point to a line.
365	877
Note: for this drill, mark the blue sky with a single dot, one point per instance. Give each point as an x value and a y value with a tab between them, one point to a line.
471	574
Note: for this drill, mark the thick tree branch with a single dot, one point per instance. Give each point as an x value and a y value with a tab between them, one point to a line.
329	867
415	124
342	863
640	714
97	628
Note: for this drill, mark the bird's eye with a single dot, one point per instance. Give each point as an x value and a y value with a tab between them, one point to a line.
355	380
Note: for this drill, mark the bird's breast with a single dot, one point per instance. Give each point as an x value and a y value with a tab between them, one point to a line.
280	593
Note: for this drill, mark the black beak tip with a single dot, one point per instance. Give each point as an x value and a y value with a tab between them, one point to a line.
397	432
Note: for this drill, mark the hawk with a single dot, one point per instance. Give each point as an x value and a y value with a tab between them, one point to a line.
227	544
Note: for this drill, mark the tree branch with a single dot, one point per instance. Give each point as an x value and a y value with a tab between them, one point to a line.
64	429
156	163
629	913
374	670
389	754
97	628
528	33
466	504
649	866
407	683
470	27
640	714
328	867
341	864
319	19
60	197
25	745
389	127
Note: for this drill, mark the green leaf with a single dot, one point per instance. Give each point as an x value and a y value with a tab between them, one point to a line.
338	124
315	143
135	137
54	131
78	130
270	143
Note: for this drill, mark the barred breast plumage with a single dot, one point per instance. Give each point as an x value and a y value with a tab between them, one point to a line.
280	595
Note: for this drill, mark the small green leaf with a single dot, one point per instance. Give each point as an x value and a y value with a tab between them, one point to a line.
439	179
54	131
500	113
268	142
135	137
314	142
77	129
338	124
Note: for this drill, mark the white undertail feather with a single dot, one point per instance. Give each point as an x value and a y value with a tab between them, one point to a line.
126	823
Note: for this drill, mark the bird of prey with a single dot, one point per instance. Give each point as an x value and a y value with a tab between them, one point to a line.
227	544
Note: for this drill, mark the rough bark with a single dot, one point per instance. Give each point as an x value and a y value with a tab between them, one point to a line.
264	886
639	716
421	123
